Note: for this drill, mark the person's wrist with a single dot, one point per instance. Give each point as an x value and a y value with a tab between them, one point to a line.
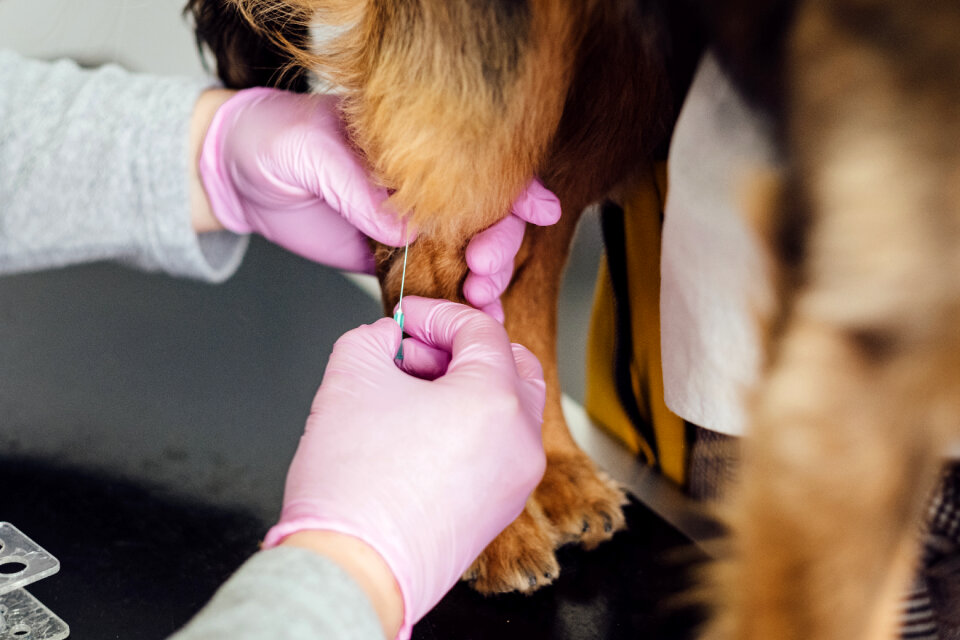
201	212
364	565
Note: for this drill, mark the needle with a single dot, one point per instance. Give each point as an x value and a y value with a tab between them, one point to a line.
398	315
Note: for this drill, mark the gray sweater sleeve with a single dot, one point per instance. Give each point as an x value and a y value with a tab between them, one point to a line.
94	166
286	593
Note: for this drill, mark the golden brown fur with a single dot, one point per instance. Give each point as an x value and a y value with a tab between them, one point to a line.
453	104
456	104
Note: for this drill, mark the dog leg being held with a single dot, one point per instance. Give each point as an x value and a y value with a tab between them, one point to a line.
522	557
583	504
574	501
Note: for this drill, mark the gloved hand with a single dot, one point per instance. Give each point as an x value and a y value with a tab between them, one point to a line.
278	164
490	253
425	468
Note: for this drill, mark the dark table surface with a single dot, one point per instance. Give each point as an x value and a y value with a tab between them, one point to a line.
137	562
146	426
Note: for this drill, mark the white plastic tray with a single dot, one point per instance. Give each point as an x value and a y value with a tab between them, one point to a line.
22	616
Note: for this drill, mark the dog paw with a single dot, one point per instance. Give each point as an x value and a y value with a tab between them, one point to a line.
520	559
584	504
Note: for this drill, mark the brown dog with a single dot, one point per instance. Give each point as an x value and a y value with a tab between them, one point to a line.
456	104
456	107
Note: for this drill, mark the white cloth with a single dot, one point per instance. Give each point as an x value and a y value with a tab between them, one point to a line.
713	281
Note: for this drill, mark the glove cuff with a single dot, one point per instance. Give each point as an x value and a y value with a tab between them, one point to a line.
282	529
214	173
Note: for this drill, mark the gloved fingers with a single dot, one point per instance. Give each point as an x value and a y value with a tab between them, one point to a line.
368	348
364	206
528	365
494	310
317	232
533	397
537	205
472	338
348	251
330	169
493	249
343	183
481	290
533	387
422	360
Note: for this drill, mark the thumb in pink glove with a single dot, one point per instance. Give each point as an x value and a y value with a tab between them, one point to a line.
278	164
426	467
490	253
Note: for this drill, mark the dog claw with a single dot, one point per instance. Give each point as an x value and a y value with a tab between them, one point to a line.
607	523
586	526
532	579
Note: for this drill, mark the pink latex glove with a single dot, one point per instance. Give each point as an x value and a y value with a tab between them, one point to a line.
490	253
278	164
425	468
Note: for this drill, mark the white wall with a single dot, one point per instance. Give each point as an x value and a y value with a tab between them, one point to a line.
142	35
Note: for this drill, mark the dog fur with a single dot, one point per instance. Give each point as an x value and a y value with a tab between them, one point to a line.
456	104
860	394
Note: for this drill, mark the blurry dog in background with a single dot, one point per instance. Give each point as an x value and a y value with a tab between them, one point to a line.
456	104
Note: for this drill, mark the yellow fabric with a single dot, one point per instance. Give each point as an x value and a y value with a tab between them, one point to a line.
643	216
